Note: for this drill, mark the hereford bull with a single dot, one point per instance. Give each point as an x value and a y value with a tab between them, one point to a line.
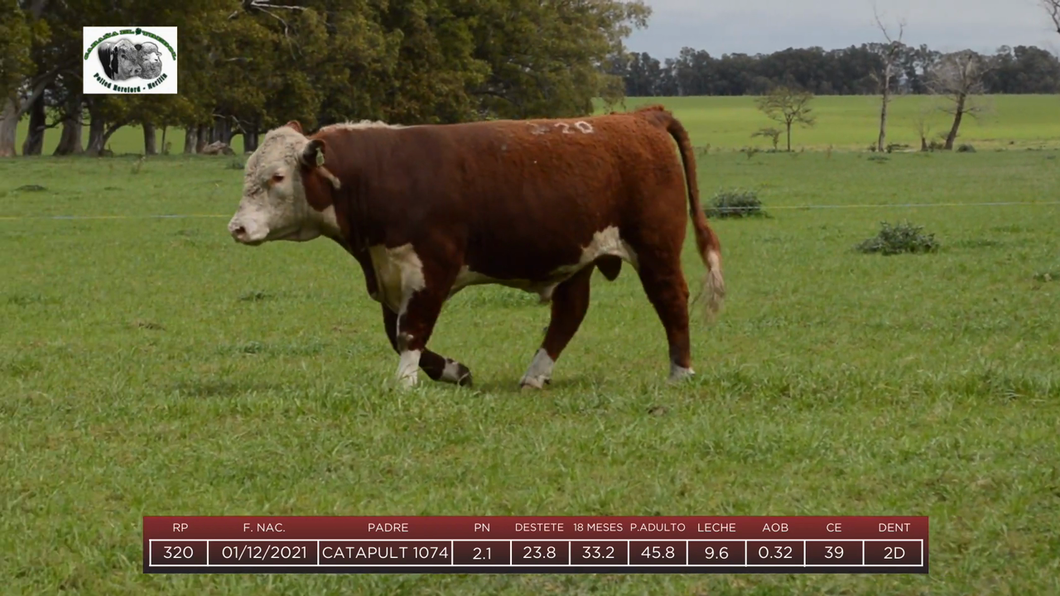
532	204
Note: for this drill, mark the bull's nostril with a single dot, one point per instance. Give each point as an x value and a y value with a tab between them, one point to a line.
239	231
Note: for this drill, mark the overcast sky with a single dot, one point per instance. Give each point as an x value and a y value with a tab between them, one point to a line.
753	26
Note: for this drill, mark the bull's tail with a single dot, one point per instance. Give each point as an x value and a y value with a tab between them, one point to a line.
706	240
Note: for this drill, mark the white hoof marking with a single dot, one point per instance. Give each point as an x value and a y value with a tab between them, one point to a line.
408	368
680	373
540	370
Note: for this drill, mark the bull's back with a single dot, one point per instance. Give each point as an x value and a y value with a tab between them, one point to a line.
539	192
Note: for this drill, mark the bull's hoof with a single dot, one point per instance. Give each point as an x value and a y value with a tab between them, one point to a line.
455	373
533	384
680	374
463	378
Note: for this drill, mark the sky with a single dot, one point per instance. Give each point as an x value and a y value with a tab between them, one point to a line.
764	26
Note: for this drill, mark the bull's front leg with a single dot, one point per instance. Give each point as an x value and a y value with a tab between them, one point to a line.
437	367
424	287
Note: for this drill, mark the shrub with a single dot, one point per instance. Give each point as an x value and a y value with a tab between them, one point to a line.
900	238
771	133
965	148
735	203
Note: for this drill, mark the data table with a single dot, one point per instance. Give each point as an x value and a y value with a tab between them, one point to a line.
469	544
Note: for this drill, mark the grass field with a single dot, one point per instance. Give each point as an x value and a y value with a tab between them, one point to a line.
844	123
154	367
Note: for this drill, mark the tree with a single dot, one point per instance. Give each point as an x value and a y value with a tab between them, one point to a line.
788	106
922	123
891	54
1052	8
958	77
549	58
23	78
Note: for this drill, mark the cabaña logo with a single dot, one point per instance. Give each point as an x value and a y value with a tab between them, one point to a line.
130	60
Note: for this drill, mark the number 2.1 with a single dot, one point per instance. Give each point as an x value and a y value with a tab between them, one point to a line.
478	553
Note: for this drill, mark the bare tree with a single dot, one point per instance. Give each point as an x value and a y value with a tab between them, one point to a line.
922	123
958	77
1052	7
891	54
788	106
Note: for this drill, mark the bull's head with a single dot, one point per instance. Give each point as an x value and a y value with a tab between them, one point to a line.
150	60
275	205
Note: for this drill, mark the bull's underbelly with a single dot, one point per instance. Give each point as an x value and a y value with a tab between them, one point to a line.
399	271
605	243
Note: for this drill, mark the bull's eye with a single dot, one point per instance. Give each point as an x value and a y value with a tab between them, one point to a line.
277	178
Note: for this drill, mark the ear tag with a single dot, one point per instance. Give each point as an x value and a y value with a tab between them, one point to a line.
320	158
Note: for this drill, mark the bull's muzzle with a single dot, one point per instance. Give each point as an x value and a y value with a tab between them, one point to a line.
240	233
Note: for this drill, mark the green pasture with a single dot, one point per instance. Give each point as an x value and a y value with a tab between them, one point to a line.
843	123
153	367
853	122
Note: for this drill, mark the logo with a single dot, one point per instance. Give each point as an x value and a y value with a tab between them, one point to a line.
129	61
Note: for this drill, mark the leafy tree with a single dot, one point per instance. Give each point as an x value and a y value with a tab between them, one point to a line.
23	78
788	106
16	39
550	57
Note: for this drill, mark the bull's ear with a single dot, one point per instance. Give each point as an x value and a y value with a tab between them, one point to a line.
313	154
295	125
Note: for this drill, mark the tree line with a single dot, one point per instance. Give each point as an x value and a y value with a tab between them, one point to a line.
246	66
856	70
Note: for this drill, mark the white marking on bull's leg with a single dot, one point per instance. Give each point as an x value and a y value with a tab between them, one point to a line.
680	373
408	368
540	371
584	126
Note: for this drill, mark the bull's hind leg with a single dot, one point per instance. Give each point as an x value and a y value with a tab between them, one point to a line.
437	367
665	285
570	302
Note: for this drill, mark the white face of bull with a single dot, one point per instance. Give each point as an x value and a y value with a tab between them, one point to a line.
274	205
